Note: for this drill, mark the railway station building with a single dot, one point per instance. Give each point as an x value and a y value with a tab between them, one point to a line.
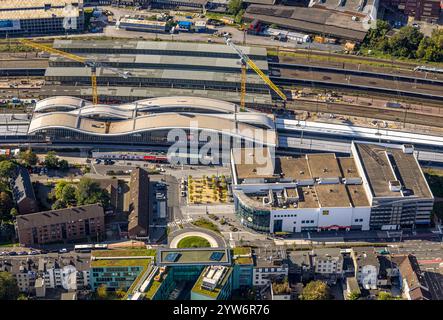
185	123
377	187
157	69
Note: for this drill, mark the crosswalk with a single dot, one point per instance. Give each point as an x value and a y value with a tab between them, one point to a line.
177	222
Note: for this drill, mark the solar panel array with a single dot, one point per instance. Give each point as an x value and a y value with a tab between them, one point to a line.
216	256
172	257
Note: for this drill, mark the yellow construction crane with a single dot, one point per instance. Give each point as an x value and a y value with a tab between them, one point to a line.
246	61
93	65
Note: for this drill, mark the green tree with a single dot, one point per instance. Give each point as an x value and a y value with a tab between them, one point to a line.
22	297
65	194
315	290
353	296
8	286
13	212
68	194
7	169
63	164
431	48
6	204
89	192
239	16
376	34
58	189
120	293
28	157
234	6
405	42
102	292
51	160
386	296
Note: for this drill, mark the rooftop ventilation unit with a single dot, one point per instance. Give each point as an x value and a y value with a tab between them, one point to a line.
394	185
408	148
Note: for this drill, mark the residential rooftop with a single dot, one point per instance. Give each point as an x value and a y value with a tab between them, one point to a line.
363	256
52	217
272	257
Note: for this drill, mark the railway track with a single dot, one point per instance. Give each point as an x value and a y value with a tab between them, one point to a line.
413	79
367	87
372	112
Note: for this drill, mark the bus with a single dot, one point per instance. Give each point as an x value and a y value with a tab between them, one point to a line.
84	248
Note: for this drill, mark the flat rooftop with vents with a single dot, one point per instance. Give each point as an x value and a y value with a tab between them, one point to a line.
195	256
388	168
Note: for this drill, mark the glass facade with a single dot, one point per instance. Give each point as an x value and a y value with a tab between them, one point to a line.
114	277
254	218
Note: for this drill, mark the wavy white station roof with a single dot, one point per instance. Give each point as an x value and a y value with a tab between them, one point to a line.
206	114
212	105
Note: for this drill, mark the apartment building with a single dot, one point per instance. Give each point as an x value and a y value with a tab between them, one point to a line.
140	207
269	265
422	10
414	285
70	273
23	191
38	274
327	264
78	223
367	267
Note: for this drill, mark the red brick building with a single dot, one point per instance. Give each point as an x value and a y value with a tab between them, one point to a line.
84	222
423	10
23	192
139	208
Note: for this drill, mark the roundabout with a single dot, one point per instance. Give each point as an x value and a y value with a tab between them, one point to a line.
195	239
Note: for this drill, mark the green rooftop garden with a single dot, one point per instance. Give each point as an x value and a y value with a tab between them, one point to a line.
244	260
241	250
152	289
123	252
132	287
105	263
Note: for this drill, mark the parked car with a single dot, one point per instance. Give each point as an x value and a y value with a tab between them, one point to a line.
63	250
